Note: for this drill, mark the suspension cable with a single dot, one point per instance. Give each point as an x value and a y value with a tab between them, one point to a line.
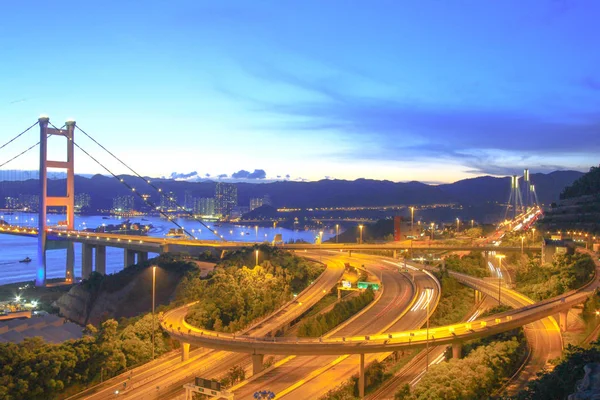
19	155
148	182
18	136
148	202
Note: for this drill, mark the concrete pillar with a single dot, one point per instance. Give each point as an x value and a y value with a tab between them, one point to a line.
128	258
395	254
339	294
223	252
361	377
457	350
142	256
257	363
478	296
349	253
562	320
185	351
70	268
101	259
86	260
164	248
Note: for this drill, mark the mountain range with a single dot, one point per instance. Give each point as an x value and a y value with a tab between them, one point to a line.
323	193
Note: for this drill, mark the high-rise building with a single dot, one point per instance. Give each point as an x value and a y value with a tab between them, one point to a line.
123	203
168	202
255	203
225	198
82	200
188	200
204	206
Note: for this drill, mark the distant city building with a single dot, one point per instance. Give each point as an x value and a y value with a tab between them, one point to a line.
82	200
123	203
168	202
204	206
188	200
260	201
30	202
225	198
238	211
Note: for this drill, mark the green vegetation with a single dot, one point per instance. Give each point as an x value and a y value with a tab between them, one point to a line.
586	185
235	295
234	375
320	324
566	272
35	369
374	375
474	377
455	301
560	382
472	264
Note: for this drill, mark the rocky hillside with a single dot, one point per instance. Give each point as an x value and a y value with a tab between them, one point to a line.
125	294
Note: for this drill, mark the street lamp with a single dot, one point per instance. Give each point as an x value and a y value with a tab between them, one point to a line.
153	301
432	226
337	232
427	290
320	245
256	231
533	234
360	228
412	218
457	225
472	224
500	257
256	253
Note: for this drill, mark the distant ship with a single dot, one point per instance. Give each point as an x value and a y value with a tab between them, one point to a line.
25	260
176	233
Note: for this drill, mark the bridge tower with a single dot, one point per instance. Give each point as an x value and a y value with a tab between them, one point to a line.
68	200
527	189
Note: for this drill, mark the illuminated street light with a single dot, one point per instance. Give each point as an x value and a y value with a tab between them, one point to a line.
499	257
457	225
256	253
412	218
337	232
256	231
153	301
432	226
522	244
472	223
360	228
427	289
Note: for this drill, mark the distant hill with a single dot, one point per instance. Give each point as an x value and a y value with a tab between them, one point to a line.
579	207
323	193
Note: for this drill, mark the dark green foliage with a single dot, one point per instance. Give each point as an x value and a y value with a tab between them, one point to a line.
566	272
473	377
235	295
455	302
472	264
320	324
560	382
35	369
234	375
586	185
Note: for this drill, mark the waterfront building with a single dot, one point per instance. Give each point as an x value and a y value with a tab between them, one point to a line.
225	198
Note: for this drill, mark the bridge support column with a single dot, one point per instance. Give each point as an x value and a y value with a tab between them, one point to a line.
257	363
361	377
223	252
457	350
562	320
86	260
70	270
101	259
142	256
128	258
395	255
339	294
185	351
349	253
164	248
478	296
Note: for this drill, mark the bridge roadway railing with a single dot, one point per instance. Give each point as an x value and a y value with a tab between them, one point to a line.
393	341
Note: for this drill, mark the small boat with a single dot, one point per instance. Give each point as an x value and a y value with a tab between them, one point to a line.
105	218
25	260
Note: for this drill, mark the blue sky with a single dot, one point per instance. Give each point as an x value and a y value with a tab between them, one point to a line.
401	90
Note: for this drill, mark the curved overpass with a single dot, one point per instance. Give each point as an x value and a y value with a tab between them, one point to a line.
456	333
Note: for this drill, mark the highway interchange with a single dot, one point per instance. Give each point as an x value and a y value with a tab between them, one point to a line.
296	376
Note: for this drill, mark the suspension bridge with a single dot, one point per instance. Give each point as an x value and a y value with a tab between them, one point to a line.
19	207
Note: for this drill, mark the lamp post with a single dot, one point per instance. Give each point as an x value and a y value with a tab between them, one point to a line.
256	253
427	290
412	218
499	257
360	228
472	223
457	225
337	232
432	226
533	234
153	301
256	232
